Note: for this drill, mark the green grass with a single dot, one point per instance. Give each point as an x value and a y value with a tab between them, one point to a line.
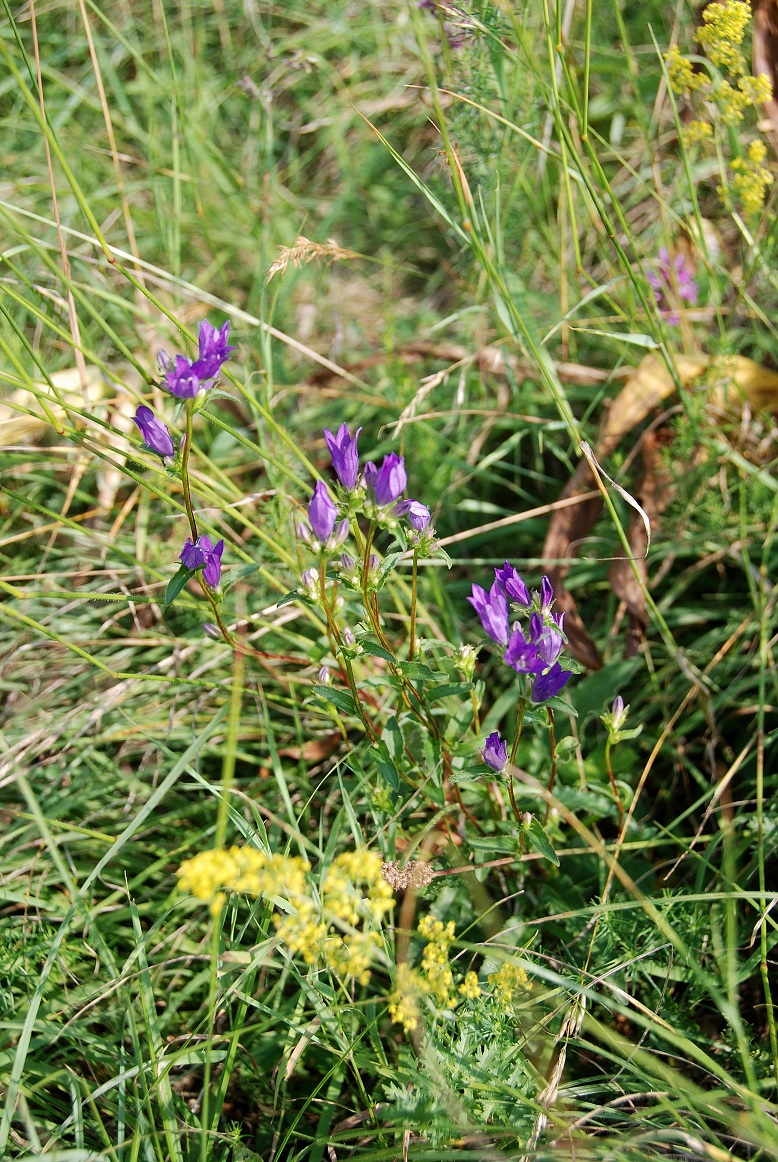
498	197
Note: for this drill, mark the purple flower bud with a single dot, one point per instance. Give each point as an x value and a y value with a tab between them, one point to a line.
549	685
388	482
303	532
322	513
495	753
211	630
310	582
419	516
373	562
183	381
347	562
164	362
203	554
348	638
509	580
618	706
155	434
340	534
213	350
548	646
546	595
324	676
492	608
345	458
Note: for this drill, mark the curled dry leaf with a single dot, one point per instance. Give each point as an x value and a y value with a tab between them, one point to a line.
649	386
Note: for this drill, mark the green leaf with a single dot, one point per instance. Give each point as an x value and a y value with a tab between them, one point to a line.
392	739
539	841
376	651
293	595
339	698
177	583
385	765
448	690
418	672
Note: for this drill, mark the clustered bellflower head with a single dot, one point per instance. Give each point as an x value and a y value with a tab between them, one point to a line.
154	433
673	280
388	482
186	378
203	554
533	649
495	753
345	458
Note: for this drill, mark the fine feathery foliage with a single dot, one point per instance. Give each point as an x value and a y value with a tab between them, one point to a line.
387	596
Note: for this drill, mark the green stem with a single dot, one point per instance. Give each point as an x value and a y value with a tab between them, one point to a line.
185	450
414	579
335	636
611	776
552	741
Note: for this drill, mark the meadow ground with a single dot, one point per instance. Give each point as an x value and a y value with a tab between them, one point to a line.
324	834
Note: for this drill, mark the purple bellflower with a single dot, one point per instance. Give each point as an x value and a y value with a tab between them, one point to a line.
495	753
492	608
345	458
182	380
203	554
322	513
388	482
155	434
419	516
186	379
509	580
213	350
550	684
546	595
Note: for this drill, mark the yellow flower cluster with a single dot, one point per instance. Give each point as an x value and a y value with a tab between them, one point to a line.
507	982
681	74
434	978
210	874
695	132
724	26
750	91
355	897
752	178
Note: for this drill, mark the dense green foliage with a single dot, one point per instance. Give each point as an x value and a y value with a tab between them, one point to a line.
444	226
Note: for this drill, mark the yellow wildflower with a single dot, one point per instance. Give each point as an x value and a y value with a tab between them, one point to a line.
757	90
724	26
509	980
470	987
695	132
403	1005
680	72
351	955
751	179
342	890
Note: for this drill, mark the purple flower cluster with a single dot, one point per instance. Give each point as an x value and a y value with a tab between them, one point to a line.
187	378
533	650
385	484
203	554
673	280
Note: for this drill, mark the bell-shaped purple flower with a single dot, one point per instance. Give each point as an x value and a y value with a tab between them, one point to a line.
492	608
345	458
155	434
388	482
182	380
213	349
522	654
495	753
322	513
419	516
550	684
203	554
510	581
